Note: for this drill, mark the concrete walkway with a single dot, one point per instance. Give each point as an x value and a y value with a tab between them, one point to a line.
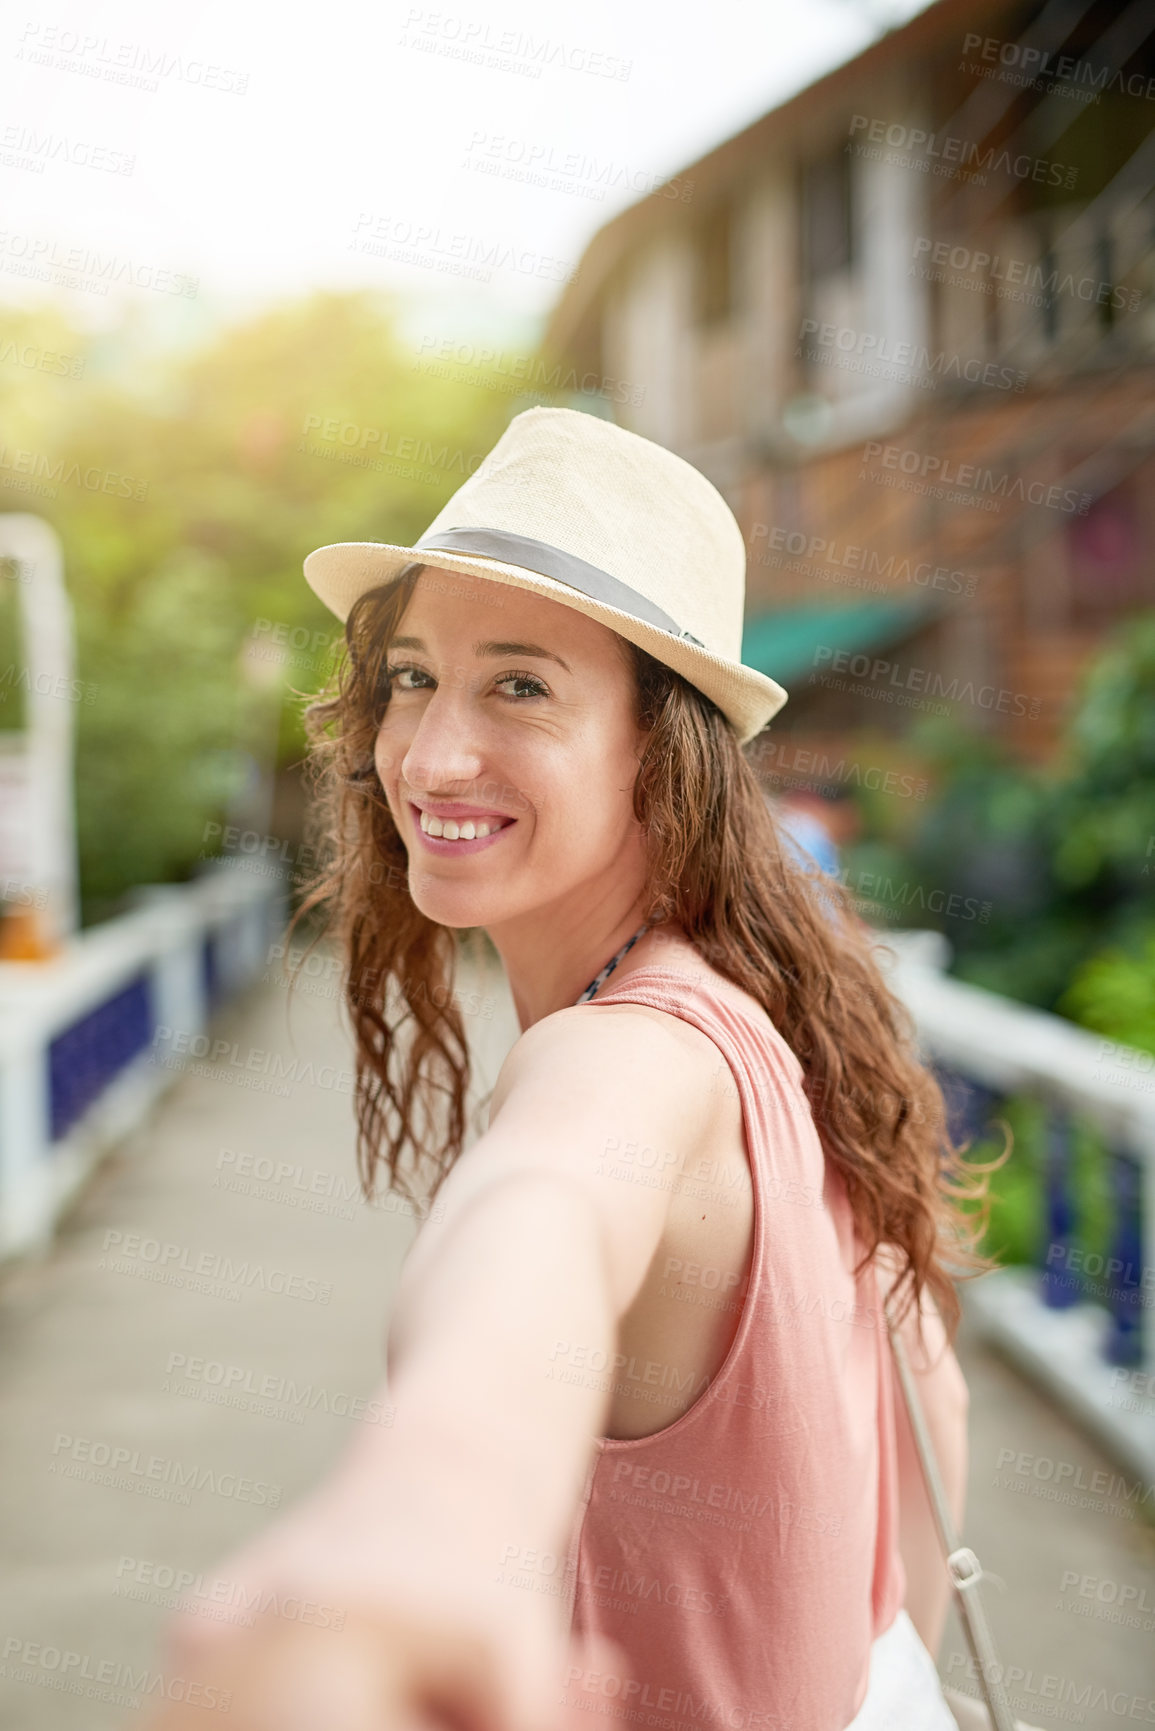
211	1320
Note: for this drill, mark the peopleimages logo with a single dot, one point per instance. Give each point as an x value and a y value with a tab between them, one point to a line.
153	1253
1071	1476
515	374
480	42
919	679
24	147
814	551
538	160
116	1681
970	478
1041	68
218	1596
84	268
43	465
461	253
866	351
234	1382
41	360
992	269
965	152
174	1046
780	760
133	1469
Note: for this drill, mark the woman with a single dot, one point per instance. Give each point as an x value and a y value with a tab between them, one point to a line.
645	1457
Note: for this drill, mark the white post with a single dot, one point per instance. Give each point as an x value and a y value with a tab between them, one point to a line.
37	822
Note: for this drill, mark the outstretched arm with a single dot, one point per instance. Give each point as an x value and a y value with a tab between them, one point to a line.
537	1253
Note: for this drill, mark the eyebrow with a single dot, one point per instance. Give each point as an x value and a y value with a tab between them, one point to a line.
489	649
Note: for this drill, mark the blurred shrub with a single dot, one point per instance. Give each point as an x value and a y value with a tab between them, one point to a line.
154	761
1114	994
1056	860
1063	860
1018	1223
228	464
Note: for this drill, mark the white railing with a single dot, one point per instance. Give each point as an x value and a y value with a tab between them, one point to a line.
1080	1324
88	1039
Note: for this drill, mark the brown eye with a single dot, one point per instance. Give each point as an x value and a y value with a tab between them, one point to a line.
530	680
401	678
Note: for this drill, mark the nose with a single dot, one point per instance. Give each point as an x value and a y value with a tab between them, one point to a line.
444	751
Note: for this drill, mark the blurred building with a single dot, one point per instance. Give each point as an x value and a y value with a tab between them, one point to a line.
905	322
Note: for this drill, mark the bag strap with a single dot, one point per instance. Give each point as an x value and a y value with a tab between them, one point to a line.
963	1566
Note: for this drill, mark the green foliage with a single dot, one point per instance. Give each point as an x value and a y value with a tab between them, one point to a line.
1059	857
1105	812
155	748
187	489
1114	993
1017	1224
1064	858
13	696
1015	1228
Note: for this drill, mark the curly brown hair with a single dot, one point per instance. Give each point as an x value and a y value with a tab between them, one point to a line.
717	868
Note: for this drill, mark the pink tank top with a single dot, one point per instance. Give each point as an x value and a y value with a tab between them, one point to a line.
745	1557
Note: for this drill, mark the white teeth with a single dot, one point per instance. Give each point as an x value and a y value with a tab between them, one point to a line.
471	830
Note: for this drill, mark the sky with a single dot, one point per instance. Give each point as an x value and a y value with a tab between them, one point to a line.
198	164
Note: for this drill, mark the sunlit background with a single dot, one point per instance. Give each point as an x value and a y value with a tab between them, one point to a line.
886	274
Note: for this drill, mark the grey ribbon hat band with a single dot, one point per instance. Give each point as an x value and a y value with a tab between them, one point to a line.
555	562
632	535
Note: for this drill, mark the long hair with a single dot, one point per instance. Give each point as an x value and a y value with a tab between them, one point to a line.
717	867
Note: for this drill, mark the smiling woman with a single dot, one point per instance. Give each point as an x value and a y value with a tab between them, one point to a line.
526	726
645	1442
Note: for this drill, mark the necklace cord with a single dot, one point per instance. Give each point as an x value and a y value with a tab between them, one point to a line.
600	979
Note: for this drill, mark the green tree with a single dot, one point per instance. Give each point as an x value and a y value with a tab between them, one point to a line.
187	489
1062	858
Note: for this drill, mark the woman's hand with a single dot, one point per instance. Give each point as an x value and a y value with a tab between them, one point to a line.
358	1613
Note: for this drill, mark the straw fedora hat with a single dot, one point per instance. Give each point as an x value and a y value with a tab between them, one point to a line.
572	507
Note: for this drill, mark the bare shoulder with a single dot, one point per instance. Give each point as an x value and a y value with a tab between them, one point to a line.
614	1103
612	1049
631	1043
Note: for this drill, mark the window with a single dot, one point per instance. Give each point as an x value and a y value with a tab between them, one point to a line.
1106	554
1105	265
1049	272
827	217
715	264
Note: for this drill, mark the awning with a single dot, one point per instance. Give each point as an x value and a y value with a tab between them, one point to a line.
782	642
